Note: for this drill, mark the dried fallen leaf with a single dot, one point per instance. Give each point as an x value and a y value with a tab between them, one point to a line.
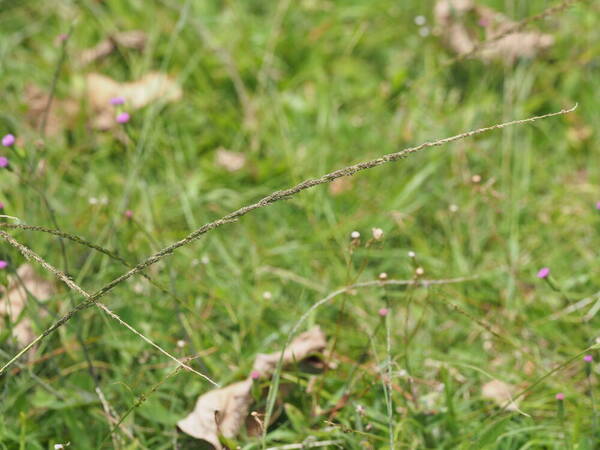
224	411
152	87
462	34
340	185
309	342
501	393
230	161
100	89
221	411
25	282
517	45
135	39
447	15
59	115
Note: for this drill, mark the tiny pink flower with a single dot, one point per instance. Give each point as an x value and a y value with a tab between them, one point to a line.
3	161
384	312
61	39
560	396
123	117
8	140
255	374
598	205
483	22
129	214
1	205
588	358
3	264
117	100
543	272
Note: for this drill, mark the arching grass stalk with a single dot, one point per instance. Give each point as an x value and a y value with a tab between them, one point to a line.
274	387
537	382
30	255
387	381
589	360
266	201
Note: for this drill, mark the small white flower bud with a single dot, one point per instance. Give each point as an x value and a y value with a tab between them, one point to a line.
411	254
419	271
420	20
377	233
383	276
355	235
267	295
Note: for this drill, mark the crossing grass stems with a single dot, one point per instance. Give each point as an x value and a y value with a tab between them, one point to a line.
92	299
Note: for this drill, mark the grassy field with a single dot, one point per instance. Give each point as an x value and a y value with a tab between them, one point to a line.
300	89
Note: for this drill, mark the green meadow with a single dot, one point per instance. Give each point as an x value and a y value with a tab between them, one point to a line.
267	94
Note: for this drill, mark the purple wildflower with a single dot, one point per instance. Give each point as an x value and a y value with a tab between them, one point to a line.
543	272
3	264
123	117
3	161
8	140
117	100
129	214
598	205
255	374
588	358
1	205
560	396
384	312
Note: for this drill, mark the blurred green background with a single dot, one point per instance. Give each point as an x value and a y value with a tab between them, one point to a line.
322	84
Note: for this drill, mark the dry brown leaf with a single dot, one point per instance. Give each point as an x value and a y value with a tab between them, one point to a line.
60	114
457	30
340	185
100	89
517	45
14	298
221	411
309	342
224	411
230	161
447	15
501	393
135	39
152	87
